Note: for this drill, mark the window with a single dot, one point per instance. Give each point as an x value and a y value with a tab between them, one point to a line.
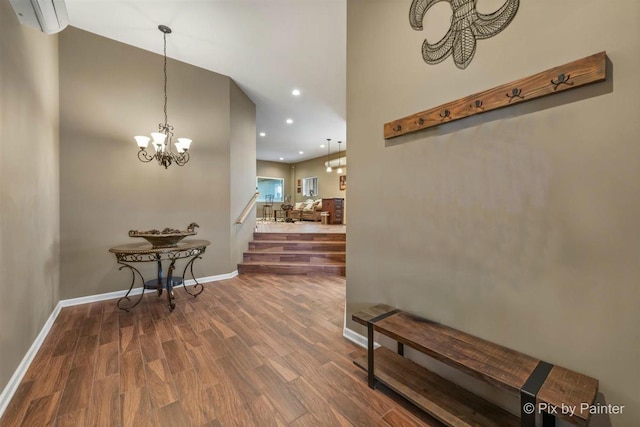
273	186
310	186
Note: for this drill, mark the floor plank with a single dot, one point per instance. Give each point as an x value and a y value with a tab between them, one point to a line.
259	350
135	407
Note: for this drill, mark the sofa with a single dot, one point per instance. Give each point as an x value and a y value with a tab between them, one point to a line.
309	210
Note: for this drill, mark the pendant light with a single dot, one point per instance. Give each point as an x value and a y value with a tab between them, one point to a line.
164	154
328	151
339	158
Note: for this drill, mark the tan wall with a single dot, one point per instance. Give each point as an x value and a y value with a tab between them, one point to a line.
274	170
243	169
520	225
109	93
328	182
29	189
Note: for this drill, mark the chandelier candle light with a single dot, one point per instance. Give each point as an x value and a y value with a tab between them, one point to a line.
162	139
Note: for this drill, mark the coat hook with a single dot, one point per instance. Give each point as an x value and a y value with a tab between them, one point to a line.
446	114
477	104
562	79
515	93
420	121
397	128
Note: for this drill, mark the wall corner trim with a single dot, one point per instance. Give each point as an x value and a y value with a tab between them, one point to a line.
21	370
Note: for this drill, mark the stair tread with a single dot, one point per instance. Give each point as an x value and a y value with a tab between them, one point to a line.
322	242
252	252
296	253
263	233
296	263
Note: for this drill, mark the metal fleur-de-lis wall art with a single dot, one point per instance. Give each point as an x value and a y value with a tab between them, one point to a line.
467	26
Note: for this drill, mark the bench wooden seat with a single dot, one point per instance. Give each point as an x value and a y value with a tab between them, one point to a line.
492	363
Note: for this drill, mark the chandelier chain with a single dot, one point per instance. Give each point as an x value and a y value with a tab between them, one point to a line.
165	79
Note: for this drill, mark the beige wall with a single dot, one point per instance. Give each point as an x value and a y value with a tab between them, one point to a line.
328	182
109	93
243	169
29	190
520	225
274	170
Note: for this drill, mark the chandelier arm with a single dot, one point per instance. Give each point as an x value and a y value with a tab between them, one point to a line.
182	159
143	156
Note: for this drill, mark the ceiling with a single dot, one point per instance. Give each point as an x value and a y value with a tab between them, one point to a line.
268	47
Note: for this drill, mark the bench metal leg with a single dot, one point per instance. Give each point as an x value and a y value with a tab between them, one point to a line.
528	393
528	409
548	420
370	374
371	377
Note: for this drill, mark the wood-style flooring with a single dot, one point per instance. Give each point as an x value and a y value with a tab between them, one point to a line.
257	350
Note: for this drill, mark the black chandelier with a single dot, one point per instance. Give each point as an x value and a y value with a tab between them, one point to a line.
162	139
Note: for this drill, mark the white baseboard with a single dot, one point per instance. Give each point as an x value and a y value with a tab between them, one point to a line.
216	278
21	370
137	291
356	338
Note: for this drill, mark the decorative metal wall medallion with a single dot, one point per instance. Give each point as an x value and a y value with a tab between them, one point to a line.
467	26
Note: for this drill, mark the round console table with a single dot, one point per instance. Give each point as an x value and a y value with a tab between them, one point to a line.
144	252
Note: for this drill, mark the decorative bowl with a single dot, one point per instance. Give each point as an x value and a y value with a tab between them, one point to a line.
166	238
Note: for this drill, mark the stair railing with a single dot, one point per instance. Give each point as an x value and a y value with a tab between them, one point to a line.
247	209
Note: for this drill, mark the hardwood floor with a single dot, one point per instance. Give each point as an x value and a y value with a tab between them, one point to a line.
256	350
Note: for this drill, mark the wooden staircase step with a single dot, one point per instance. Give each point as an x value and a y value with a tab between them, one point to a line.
297	245
313	257
316	237
337	269
317	254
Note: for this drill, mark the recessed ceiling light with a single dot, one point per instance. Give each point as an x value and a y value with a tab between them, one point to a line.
289	121
295	92
281	158
302	152
322	145
263	134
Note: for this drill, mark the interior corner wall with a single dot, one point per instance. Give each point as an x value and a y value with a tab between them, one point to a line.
29	192
243	170
519	225
328	182
110	92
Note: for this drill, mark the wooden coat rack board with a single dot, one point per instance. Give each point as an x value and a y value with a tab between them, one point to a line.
578	73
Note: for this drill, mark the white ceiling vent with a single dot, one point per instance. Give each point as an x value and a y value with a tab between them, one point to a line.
49	16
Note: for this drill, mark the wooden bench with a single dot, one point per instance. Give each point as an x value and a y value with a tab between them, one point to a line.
543	387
